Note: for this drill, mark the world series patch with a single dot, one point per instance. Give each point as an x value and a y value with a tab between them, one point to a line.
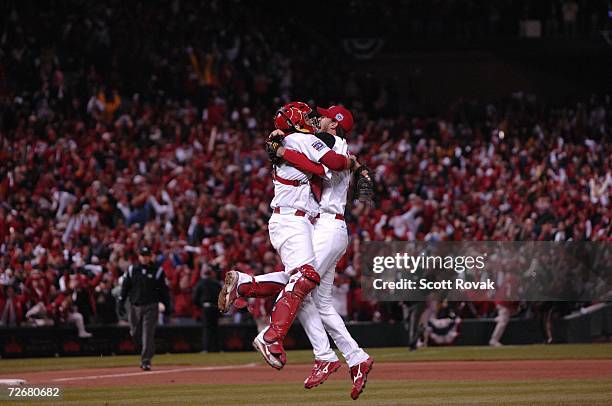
318	145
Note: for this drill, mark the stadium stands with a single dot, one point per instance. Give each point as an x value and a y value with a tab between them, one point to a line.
128	127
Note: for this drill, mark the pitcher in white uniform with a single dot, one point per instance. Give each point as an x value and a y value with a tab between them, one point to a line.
330	240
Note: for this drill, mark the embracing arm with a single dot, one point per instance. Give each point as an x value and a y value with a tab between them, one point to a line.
334	161
312	150
301	162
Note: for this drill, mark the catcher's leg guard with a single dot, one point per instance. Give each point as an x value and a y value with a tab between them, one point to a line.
286	308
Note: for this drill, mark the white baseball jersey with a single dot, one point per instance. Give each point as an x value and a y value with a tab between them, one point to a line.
330	239
298	197
333	199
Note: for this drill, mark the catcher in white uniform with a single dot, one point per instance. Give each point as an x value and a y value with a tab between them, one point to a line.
329	241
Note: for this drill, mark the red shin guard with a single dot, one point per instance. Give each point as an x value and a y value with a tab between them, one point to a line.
260	289
286	308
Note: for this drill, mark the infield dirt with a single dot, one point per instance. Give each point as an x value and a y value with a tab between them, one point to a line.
262	374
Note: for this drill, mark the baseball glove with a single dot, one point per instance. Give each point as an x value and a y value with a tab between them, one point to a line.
364	184
272	145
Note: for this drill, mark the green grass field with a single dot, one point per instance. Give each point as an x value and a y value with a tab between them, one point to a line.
542	392
564	392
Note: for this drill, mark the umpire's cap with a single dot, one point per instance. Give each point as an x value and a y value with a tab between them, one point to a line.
145	251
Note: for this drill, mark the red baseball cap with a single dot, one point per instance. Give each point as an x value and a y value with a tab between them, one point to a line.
340	114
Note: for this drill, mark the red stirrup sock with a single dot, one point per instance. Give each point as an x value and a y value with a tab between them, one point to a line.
260	289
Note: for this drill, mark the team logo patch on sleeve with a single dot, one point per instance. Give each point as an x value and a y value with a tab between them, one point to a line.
318	145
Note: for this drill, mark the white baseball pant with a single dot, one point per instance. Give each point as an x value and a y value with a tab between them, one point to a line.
298	242
317	314
291	236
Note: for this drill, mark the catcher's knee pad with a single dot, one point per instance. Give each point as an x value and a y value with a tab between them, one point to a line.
307	281
286	308
309	272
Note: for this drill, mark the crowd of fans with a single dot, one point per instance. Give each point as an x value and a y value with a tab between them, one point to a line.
113	135
473	19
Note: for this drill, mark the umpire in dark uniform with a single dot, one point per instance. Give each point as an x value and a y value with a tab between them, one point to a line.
205	295
145	286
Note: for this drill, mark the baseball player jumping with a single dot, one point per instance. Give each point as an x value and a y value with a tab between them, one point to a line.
329	240
291	230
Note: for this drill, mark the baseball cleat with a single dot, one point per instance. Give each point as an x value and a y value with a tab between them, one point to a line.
273	353
229	293
320	372
359	375
145	366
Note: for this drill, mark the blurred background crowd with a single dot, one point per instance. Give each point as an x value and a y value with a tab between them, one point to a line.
130	125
